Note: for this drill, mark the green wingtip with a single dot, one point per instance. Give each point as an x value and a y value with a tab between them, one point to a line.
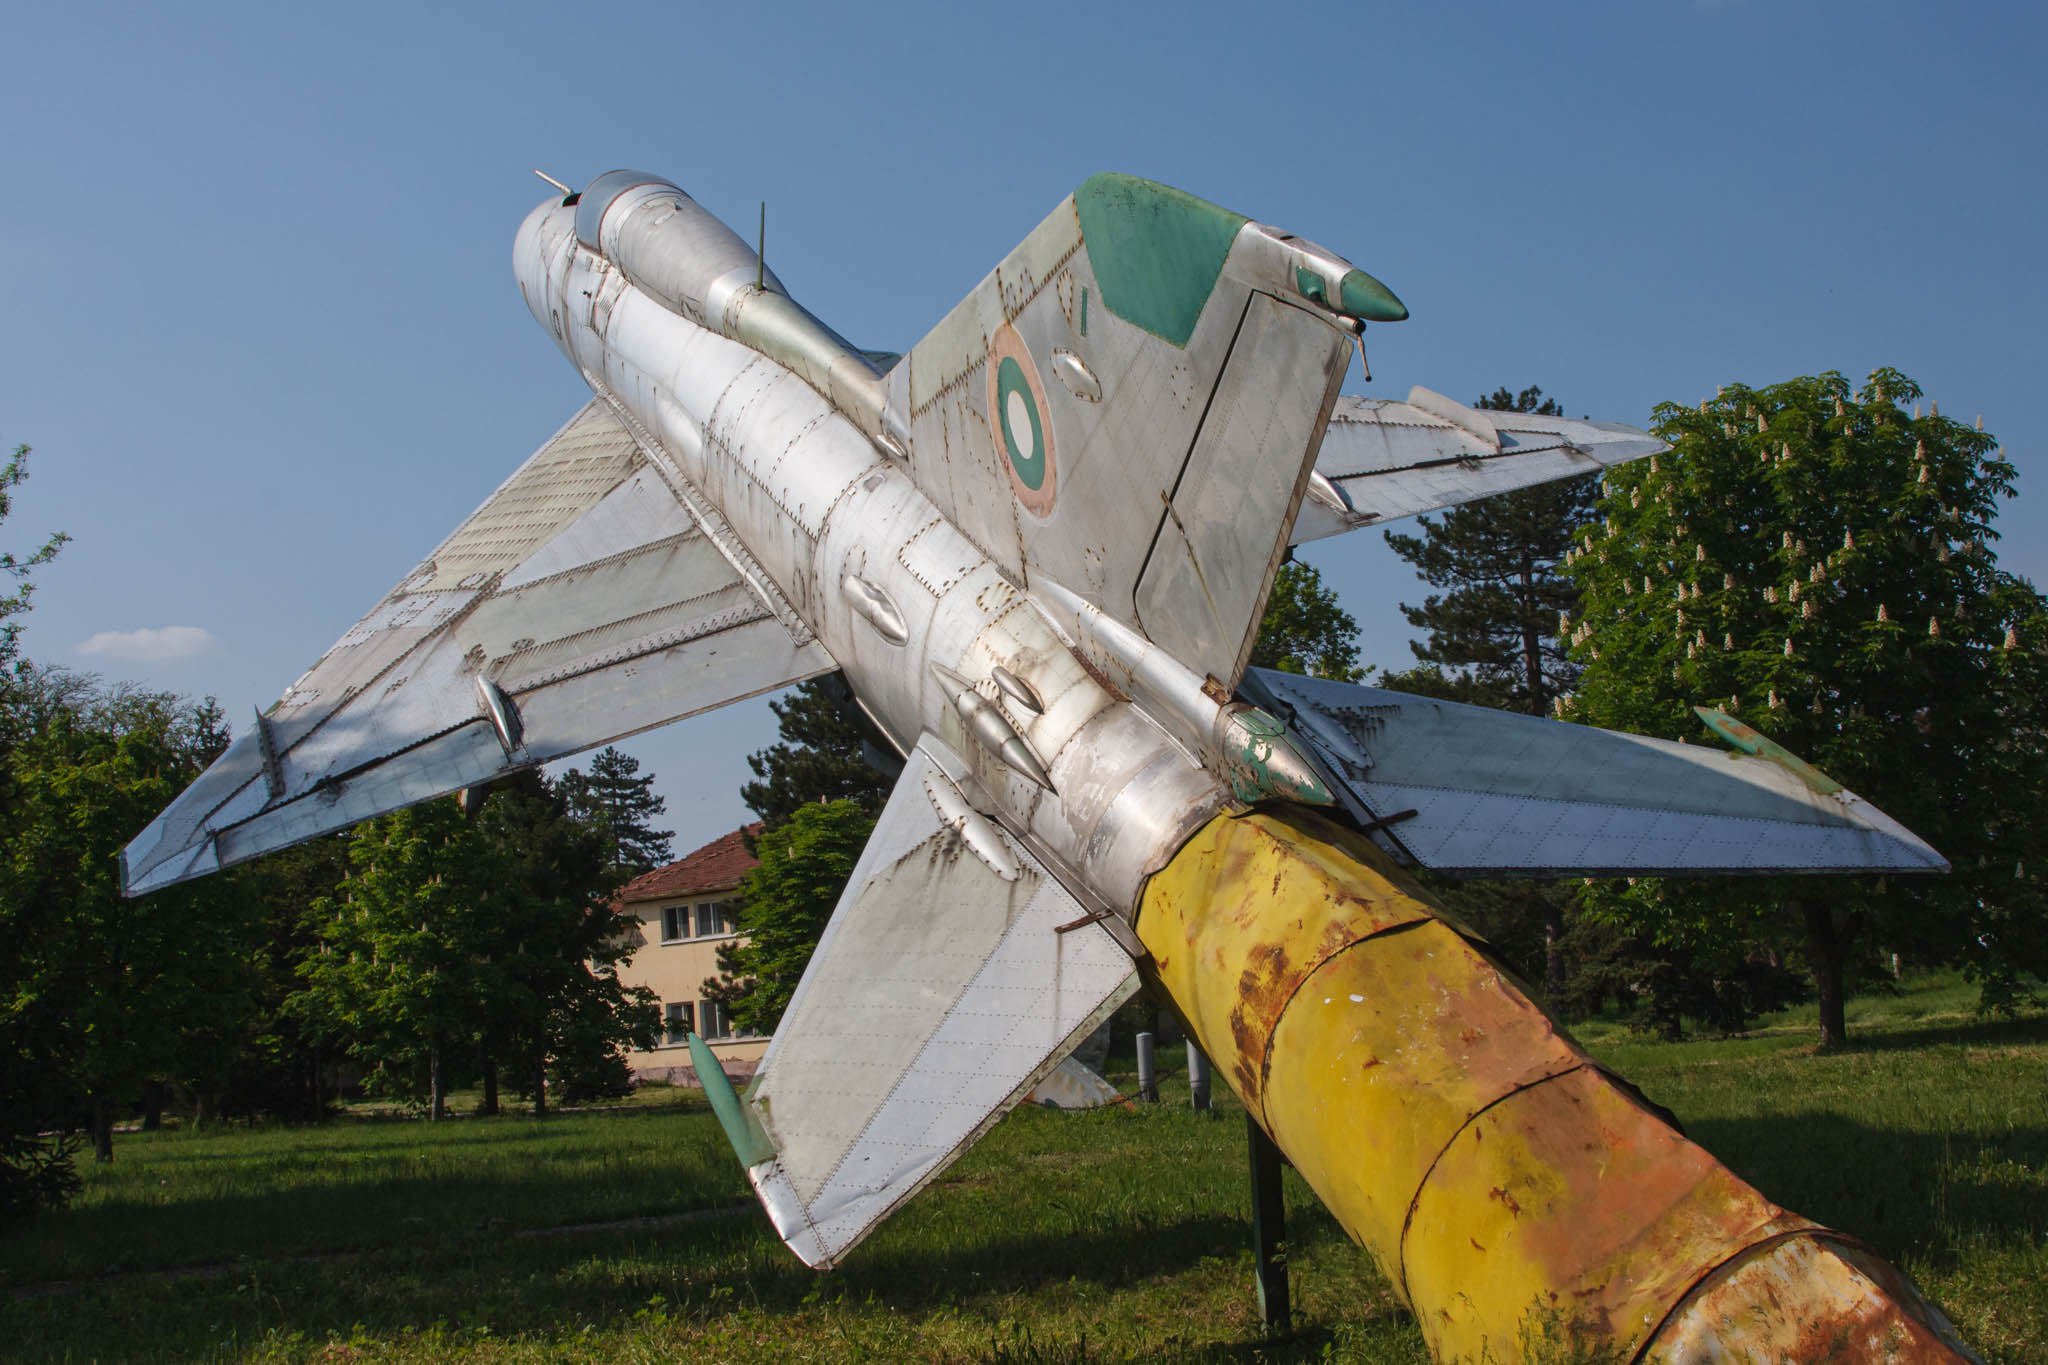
750	1142
1751	741
1359	295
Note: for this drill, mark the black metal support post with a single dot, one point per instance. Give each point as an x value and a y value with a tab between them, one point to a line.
1269	1230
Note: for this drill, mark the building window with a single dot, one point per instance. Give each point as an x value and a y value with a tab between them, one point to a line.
675	922
679	1017
716	1025
714	918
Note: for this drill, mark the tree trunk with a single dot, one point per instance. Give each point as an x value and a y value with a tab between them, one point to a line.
1827	944
540	1083
437	1098
205	1109
152	1106
490	1104
1532	643
100	1125
1553	947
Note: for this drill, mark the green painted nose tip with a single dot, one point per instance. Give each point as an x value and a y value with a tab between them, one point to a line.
1362	296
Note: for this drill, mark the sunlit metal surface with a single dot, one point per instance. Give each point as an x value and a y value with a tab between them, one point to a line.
1038	545
1498	794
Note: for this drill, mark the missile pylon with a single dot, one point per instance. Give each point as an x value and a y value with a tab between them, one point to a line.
1514	1193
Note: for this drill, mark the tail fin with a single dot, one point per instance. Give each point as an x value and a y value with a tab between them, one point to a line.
1132	402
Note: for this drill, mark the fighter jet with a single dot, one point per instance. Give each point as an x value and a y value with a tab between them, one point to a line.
1038	545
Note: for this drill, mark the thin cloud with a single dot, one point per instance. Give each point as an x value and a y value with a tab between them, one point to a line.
151	644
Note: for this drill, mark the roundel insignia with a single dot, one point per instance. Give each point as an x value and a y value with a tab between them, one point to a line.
1020	422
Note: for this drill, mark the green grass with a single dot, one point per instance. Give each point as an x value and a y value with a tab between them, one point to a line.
1063	1237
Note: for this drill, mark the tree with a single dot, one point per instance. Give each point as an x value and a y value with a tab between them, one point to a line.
1305	630
274	1062
18	568
623	806
1818	563
829	751
397	979
1492	635
489	939
785	903
104	997
36	1170
554	1002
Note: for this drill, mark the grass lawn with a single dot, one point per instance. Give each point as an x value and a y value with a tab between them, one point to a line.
1063	1237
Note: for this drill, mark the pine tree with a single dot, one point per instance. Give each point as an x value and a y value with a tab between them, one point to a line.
1492	635
1818	563
829	751
623	808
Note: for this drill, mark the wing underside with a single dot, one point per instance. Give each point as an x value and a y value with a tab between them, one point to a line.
952	978
1476	792
579	604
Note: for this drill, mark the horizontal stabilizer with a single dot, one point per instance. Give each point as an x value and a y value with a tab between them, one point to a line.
1382	460
940	994
579	604
1475	792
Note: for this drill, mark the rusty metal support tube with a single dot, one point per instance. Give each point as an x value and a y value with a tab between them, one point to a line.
1518	1198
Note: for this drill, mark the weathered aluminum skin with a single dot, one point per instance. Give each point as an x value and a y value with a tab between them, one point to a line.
1044	594
902	1045
1513	1193
1383	460
581	590
1498	794
815	502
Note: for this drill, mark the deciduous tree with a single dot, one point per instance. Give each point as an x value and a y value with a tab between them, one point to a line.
490	938
553	944
1818	562
1304	629
17	568
401	976
102	995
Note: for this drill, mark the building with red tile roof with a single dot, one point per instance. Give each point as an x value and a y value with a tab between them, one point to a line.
681	915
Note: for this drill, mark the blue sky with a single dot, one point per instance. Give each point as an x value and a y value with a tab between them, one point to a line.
263	335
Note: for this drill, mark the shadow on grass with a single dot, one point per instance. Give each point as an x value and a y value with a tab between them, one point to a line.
1914	1194
1982	1033
606	1280
367	1207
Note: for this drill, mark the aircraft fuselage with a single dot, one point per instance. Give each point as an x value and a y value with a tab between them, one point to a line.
832	528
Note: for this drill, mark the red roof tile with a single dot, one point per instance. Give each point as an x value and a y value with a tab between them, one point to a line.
718	866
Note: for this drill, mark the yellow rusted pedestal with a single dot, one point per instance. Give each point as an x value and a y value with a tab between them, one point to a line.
1519	1199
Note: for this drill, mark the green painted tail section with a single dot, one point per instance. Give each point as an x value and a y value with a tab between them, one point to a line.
1157	251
